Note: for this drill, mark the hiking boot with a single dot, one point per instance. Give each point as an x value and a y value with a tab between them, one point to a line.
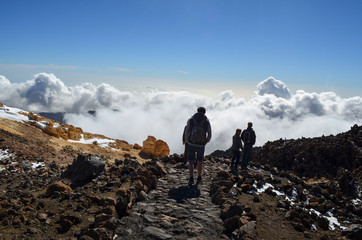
191	181
199	179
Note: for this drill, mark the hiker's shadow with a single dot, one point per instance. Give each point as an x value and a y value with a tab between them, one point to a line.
184	192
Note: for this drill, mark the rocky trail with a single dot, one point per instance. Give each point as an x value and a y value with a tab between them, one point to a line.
175	210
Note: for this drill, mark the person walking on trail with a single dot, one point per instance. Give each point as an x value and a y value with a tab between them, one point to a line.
237	145
248	136
197	135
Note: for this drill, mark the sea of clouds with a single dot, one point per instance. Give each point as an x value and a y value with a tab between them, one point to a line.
275	111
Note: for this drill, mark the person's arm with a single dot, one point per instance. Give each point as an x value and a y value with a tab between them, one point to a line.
208	132
183	135
242	135
187	131
254	137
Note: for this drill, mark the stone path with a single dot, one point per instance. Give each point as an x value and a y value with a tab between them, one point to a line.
174	210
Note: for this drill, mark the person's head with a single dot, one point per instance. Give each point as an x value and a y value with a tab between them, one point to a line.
250	124
238	131
201	110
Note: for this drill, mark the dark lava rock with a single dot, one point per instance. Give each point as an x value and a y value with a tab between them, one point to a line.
353	232
84	168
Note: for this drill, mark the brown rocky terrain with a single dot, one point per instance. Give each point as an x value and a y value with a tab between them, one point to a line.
51	188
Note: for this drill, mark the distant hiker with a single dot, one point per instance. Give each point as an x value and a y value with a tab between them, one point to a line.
197	135
186	145
248	136
237	145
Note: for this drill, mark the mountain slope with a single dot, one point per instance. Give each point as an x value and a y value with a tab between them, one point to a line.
40	138
149	199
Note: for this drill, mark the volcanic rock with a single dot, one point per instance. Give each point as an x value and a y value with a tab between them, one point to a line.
155	148
57	187
84	168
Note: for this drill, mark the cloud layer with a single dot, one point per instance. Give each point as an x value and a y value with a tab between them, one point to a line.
275	111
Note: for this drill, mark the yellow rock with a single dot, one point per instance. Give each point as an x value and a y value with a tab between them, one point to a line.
155	148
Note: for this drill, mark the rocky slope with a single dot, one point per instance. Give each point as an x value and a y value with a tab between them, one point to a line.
51	188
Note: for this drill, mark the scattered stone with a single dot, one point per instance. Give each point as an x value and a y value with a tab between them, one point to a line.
57	187
64	225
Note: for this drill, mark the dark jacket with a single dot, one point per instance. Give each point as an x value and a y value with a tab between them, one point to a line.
237	144
248	136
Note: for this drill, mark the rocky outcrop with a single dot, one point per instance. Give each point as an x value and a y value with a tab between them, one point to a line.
155	148
321	156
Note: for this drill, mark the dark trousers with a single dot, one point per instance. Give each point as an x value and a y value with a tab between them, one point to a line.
246	156
185	152
236	156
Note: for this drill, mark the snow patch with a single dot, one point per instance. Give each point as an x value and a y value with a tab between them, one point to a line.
4	154
13	114
356	201
100	141
333	221
37	165
40	125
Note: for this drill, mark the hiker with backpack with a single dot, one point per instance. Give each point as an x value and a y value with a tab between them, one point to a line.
237	145
248	136
197	135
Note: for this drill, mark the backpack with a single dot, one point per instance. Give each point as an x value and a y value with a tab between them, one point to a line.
198	133
247	137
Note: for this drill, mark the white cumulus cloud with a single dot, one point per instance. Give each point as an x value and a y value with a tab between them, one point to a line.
275	111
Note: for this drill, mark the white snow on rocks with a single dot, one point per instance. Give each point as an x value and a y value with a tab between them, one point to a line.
4	154
99	141
333	221
14	114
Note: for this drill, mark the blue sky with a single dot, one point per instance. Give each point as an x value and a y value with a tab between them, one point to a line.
217	45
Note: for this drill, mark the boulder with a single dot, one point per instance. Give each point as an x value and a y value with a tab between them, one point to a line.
84	168
149	146
231	211
125	200
248	228
155	148
231	223
218	197
323	223
161	149
58	187
104	221
156	168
